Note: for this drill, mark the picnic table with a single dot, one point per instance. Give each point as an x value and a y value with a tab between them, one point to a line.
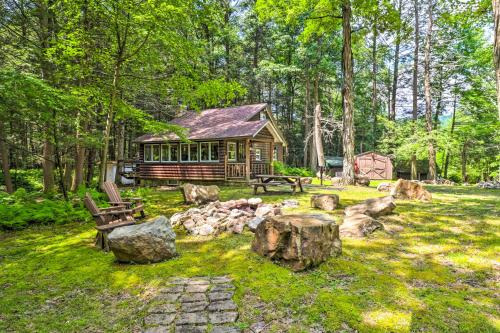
274	180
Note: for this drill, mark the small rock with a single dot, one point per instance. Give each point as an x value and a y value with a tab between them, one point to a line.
191	318
362	180
221	280
205	230
197	288
290	203
222	317
194	306
254	202
220	296
225	329
359	225
373	207
222	306
156	319
306	180
194	297
254	223
199	194
325	201
384	187
191	329
264	210
163	308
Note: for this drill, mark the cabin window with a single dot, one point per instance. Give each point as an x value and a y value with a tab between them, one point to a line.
241	151
151	153
258	154
147	153
209	151
231	151
156	153
189	152
275	153
263	116
169	153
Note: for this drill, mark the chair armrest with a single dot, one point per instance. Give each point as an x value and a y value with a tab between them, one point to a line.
115	212
120	203
135	199
112	208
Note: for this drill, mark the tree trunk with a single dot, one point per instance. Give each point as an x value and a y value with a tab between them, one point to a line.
447	158
313	158
48	165
120	151
374	85
109	123
79	156
464	162
307	123
496	40
4	156
395	73
428	97
347	96
90	167
318	141
415	86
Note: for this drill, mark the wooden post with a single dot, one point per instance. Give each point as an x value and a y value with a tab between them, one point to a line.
247	159
271	158
224	145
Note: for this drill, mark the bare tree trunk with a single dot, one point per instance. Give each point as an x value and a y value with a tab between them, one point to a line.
120	151
464	162
374	85
347	96
447	158
415	87
109	122
318	141
496	14
4	156
90	166
307	123
79	156
313	158
428	97
395	73
48	165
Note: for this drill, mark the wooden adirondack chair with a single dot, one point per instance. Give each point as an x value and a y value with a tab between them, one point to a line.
107	219
115	199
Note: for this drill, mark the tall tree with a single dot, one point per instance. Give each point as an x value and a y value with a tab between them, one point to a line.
347	95
496	43
428	94
413	166
395	70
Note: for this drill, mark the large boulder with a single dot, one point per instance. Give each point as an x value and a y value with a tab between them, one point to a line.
406	189
325	201
372	207
359	225
199	194
306	180
362	180
299	241
144	243
384	187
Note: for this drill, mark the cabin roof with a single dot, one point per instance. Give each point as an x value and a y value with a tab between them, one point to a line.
220	123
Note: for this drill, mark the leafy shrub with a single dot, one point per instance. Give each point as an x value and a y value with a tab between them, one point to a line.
283	169
30	180
23	208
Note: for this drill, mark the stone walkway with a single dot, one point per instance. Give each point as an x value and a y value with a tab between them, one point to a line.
193	305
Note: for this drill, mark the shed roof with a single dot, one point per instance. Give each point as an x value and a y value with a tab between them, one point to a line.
217	123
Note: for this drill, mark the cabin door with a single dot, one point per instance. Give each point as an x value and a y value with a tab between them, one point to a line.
373	166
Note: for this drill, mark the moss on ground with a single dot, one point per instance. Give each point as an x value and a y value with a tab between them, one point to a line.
434	269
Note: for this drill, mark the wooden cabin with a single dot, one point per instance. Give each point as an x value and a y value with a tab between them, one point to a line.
225	144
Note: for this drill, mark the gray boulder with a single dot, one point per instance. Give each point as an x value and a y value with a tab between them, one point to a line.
254	223
372	207
359	225
325	201
362	180
199	194
152	241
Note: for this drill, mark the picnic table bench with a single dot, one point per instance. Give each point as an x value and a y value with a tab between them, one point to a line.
276	180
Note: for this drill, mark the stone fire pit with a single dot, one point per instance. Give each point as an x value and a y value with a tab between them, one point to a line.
229	216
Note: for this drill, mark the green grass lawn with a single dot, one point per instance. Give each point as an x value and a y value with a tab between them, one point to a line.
434	269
